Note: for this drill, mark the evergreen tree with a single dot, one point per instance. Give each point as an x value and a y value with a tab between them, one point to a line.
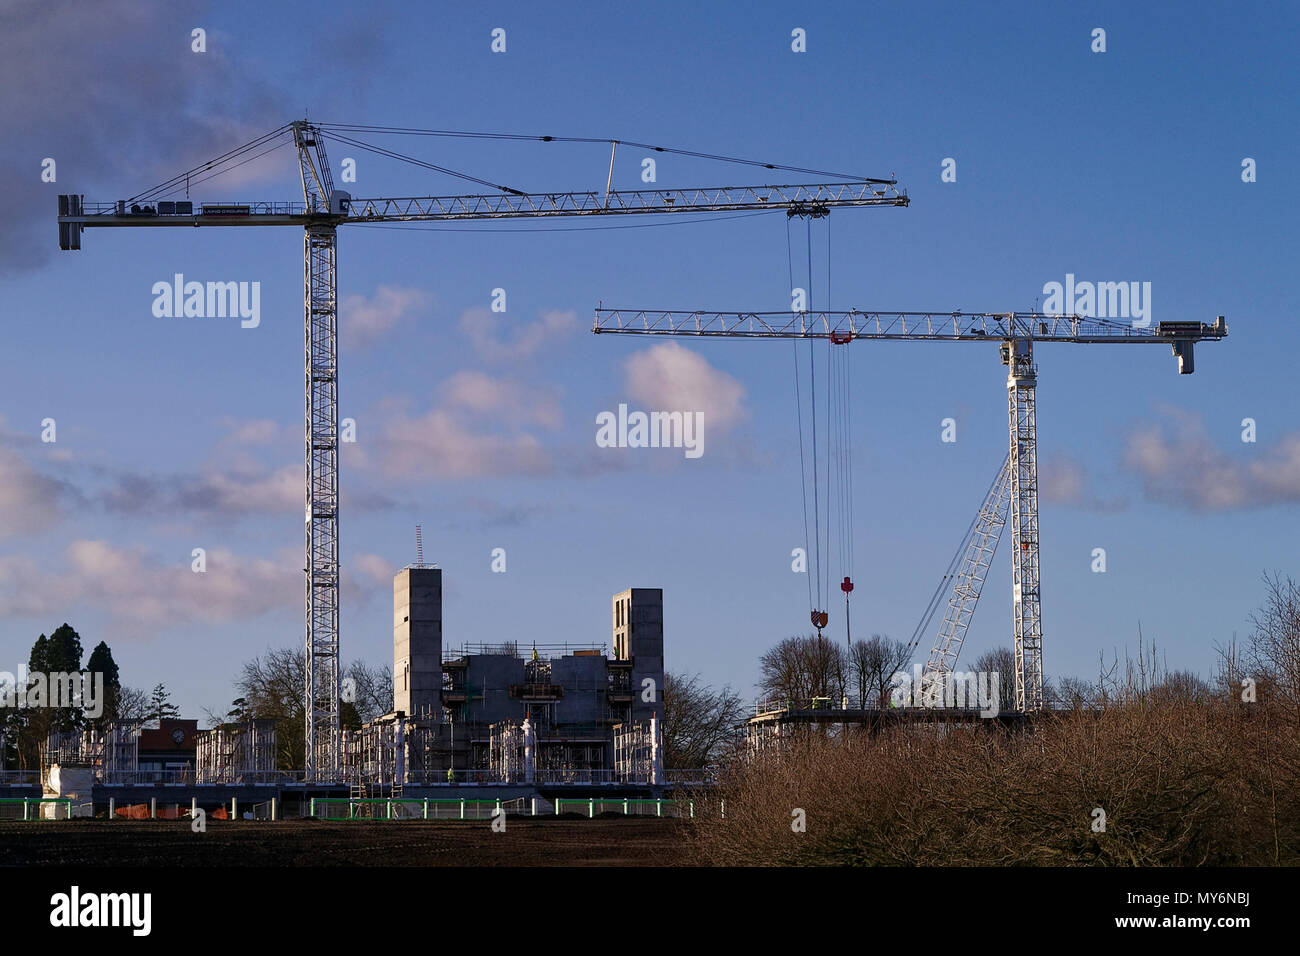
64	650
160	704
60	653
101	662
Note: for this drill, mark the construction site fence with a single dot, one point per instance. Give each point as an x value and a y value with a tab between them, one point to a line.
591	807
358	809
29	809
398	808
157	810
549	777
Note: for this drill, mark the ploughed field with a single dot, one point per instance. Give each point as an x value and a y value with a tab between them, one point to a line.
610	841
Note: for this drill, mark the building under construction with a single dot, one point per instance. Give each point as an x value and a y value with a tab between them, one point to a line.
514	713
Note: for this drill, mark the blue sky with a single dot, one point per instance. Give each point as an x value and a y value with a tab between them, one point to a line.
181	433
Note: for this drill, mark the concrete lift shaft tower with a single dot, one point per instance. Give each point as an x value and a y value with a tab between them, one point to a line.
320	214
1017	332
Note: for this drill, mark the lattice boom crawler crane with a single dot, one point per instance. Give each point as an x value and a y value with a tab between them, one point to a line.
319	215
1017	333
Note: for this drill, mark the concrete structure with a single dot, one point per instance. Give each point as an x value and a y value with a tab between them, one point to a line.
417	642
506	712
75	782
639	639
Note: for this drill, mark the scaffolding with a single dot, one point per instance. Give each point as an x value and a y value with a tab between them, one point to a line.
389	751
236	753
111	751
512	752
635	752
121	752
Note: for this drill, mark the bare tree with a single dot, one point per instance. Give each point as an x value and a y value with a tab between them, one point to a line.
1230	668
371	689
701	725
132	704
271	687
1183	686
801	668
1076	693
1272	654
872	666
1000	661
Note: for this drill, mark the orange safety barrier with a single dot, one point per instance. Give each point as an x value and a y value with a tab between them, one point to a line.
140	811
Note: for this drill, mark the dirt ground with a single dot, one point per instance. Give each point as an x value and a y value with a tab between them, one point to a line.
542	842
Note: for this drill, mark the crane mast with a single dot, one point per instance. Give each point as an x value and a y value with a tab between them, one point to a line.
1022	467
322	210
1017	333
321	474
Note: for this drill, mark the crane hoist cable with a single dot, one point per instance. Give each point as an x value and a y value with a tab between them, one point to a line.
838	476
819	616
840	456
798	405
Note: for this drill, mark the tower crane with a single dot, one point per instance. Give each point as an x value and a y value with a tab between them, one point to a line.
322	210
1017	333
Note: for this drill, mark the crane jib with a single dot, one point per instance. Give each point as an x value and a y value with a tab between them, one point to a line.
813	200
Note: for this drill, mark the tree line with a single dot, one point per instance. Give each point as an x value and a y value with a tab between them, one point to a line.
25	730
1143	766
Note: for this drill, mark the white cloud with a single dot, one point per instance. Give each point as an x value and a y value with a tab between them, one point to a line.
487	332
30	502
1180	465
1064	480
480	427
444	444
481	393
670	377
363	321
258	431
371	571
141	593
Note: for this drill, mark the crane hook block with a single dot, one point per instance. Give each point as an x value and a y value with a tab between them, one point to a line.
846	585
819	619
